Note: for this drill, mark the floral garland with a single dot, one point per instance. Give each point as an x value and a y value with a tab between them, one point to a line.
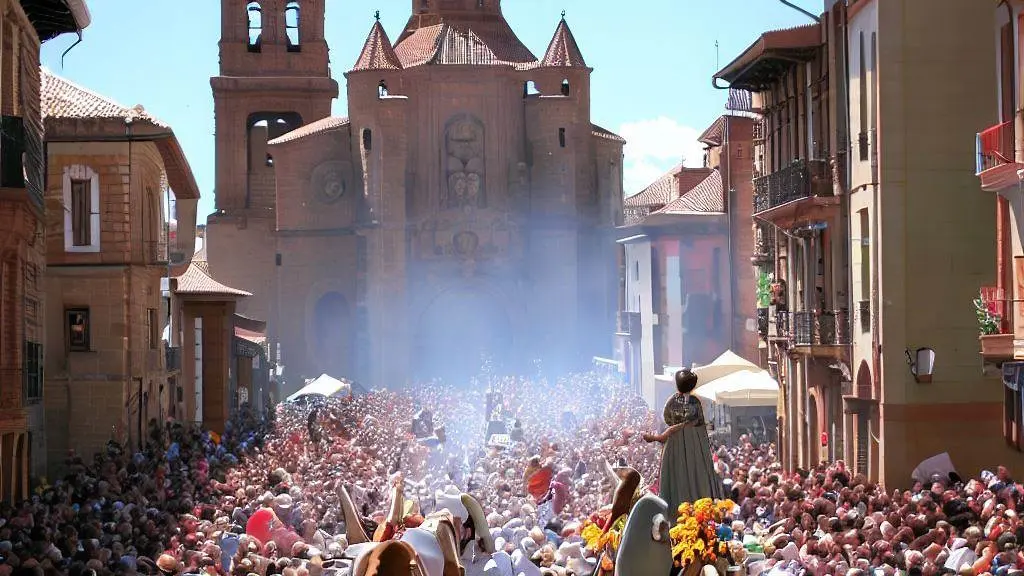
598	541
700	534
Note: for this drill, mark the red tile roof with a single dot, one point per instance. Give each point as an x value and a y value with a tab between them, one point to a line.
197	280
377	52
706	198
563	50
668	187
715	133
606	134
419	47
63	100
480	42
319	127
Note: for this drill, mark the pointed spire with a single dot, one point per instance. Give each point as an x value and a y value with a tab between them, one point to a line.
377	54
563	50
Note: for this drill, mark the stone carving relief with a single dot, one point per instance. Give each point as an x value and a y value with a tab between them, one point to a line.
330	181
486	236
464	164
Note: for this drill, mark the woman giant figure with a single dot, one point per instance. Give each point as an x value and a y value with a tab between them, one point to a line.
687	471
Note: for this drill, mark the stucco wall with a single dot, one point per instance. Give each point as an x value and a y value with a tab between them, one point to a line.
933	226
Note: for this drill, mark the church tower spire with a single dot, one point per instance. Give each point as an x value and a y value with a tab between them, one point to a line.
377	54
563	50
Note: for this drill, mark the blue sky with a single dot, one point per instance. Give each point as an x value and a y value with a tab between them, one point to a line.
653	60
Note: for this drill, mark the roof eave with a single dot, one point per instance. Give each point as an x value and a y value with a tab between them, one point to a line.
52	18
179	171
71	129
210	296
771	45
542	66
765	70
80	11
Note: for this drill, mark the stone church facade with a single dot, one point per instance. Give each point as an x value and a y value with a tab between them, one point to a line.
464	211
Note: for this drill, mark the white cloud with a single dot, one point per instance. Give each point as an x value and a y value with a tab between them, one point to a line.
654	147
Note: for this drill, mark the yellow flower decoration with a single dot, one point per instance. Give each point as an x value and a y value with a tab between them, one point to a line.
695	534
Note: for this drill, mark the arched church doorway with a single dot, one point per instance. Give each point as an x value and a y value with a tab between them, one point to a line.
332	326
458	332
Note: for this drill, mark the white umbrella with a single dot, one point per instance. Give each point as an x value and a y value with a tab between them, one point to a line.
742	388
728	363
939	465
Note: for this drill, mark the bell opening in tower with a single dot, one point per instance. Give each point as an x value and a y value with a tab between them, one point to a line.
254	14
291	25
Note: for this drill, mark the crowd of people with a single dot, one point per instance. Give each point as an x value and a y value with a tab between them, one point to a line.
307	489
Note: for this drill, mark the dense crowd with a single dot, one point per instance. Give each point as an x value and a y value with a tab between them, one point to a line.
323	474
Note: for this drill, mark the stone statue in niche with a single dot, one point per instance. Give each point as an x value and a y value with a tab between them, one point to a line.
464	164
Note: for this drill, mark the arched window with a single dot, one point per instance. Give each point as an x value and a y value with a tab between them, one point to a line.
254	14
530	89
382	89
261	128
565	87
291	26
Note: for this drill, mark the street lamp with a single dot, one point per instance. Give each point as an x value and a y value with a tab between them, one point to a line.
922	364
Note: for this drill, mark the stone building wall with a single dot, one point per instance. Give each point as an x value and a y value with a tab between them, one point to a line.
121	374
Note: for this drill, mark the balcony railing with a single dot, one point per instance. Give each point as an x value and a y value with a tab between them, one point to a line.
801	179
995	146
173	358
829	328
782	325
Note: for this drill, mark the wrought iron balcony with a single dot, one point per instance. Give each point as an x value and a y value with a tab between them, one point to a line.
801	179
782	325
759	131
762	322
829	328
995	146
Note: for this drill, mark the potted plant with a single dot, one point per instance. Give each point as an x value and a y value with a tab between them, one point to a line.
988	319
764	300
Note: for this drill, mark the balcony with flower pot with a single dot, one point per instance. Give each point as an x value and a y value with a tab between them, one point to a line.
994	329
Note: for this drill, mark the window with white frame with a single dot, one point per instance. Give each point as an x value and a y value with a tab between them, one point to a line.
81	187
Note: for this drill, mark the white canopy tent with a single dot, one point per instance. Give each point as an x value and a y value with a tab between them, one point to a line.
742	388
324	385
728	363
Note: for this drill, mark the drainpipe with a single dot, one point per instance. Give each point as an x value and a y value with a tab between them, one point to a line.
801	10
129	324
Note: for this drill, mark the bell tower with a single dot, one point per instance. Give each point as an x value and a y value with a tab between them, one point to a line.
274	77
